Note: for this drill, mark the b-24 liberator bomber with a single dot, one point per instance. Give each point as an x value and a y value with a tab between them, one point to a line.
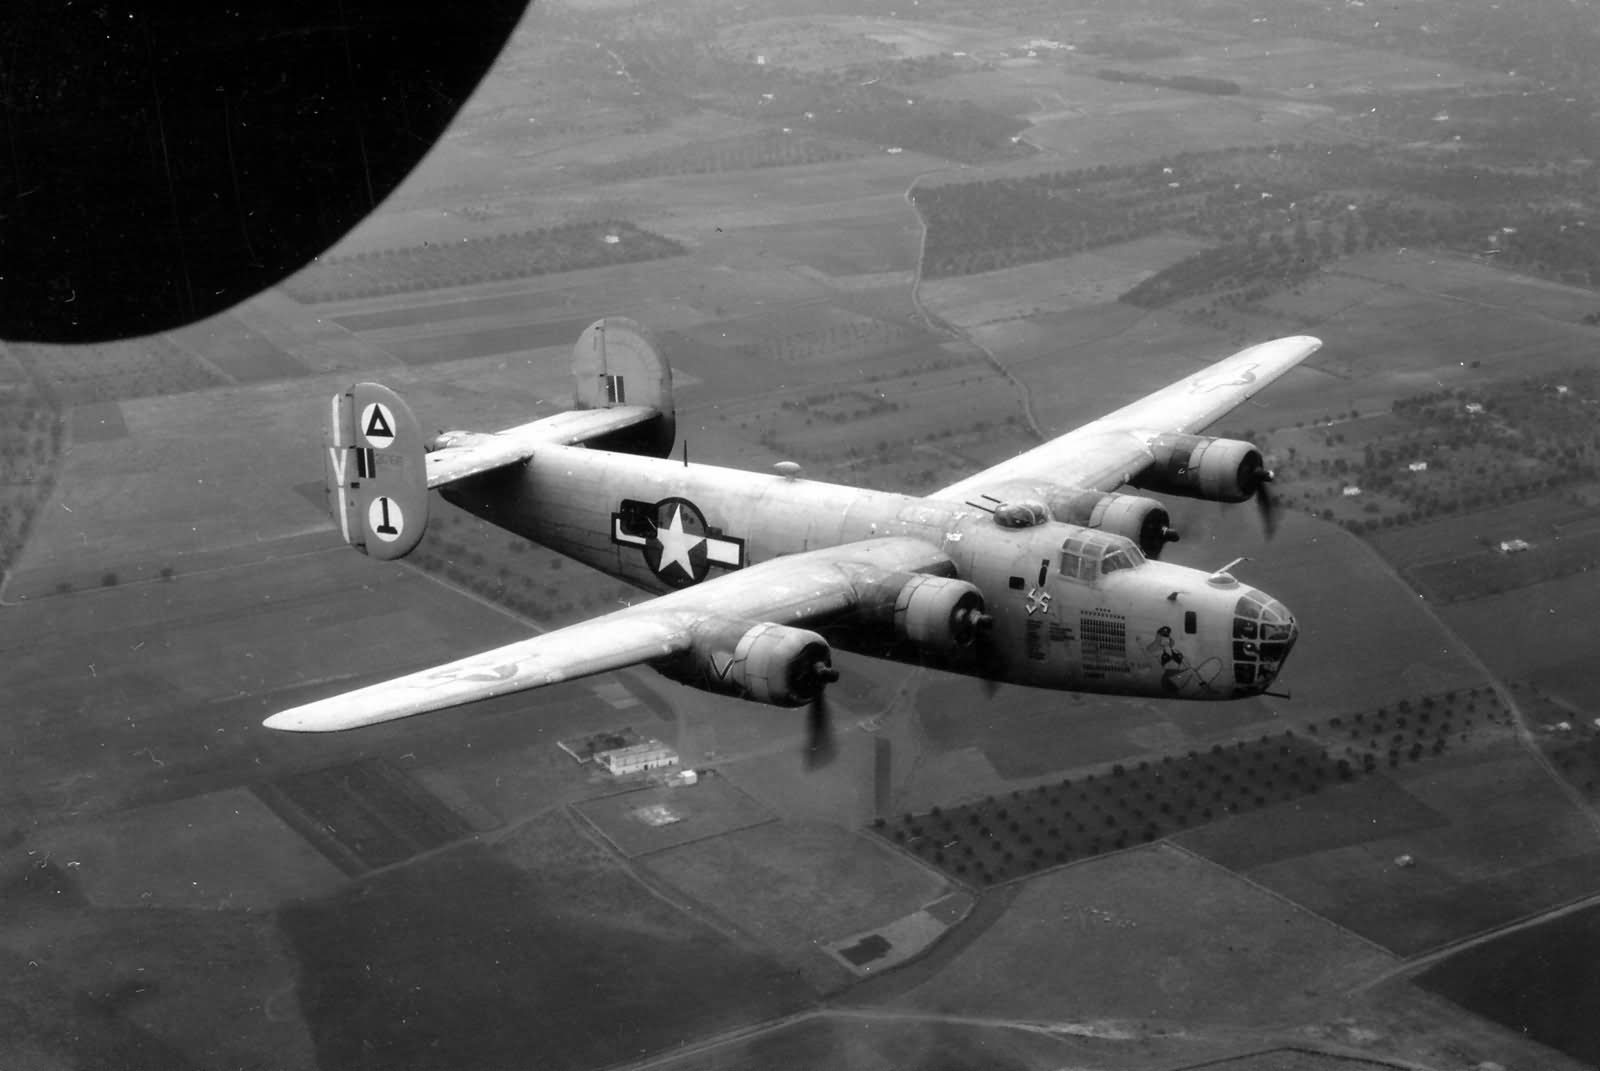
1040	571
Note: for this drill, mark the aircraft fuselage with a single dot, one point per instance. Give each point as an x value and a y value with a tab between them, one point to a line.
1116	624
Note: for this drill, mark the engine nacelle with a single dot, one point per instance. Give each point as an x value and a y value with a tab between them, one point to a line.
936	613
1143	520
1197	466
766	662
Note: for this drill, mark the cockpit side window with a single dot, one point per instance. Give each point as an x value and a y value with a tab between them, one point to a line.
1089	555
1117	559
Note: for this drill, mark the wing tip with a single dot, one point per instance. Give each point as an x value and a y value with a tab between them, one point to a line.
291	721
1312	342
314	718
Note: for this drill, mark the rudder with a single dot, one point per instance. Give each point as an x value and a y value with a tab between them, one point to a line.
618	362
376	471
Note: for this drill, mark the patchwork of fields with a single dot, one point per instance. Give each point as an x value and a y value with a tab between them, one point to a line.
184	888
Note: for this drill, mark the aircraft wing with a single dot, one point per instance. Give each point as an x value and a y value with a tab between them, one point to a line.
470	453
1111	451
801	589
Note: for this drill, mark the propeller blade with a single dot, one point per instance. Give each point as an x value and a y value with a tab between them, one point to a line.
1267	508
985	654
820	748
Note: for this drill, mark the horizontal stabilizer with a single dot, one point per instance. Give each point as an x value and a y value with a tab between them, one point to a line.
467	454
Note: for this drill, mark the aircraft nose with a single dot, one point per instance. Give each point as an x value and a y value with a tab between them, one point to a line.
1264	632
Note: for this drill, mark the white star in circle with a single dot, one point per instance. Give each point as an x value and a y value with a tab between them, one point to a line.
676	544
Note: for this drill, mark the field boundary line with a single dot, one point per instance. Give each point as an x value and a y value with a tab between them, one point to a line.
1281	898
1424	960
1501	690
939	324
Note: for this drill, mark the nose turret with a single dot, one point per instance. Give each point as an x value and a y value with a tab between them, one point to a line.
1264	632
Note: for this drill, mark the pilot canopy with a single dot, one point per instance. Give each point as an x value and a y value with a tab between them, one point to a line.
1088	555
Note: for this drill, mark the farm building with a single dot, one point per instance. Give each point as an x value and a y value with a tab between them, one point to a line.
636	758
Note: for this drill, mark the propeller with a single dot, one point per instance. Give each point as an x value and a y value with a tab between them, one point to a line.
820	749
986	654
1265	506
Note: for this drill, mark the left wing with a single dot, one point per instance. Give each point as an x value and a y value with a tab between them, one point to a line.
801	589
1111	451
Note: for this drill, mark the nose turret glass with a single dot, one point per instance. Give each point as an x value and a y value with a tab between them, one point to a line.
1264	632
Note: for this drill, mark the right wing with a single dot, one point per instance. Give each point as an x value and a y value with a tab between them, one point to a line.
801	589
1111	451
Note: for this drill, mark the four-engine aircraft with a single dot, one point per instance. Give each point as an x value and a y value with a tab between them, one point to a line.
1038	571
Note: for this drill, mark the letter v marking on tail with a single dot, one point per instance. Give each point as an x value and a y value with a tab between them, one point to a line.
339	462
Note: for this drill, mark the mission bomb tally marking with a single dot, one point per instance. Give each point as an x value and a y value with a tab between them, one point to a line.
678	545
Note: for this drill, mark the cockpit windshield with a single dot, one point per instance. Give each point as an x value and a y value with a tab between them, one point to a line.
1087	555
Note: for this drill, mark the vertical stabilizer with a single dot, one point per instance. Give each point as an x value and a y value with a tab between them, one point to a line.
376	471
617	362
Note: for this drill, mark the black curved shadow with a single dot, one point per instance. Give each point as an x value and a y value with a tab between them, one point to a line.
156	167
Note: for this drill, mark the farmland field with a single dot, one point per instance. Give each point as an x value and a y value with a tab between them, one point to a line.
797	886
1155	933
546	896
1536	981
184	888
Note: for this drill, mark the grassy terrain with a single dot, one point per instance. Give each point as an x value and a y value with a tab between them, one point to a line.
1157	934
1512	845
1536	982
75	375
711	808
797	886
506	951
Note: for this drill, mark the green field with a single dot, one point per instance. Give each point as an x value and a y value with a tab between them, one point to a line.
797	885
1156	934
504	952
1512	846
1538	982
652	819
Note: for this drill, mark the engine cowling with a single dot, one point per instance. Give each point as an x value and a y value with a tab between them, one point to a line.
1197	466
765	662
936	613
1143	520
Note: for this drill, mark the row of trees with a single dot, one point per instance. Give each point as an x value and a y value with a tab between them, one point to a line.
31	432
1189	83
1504	441
1270	216
548	250
1000	838
771	149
